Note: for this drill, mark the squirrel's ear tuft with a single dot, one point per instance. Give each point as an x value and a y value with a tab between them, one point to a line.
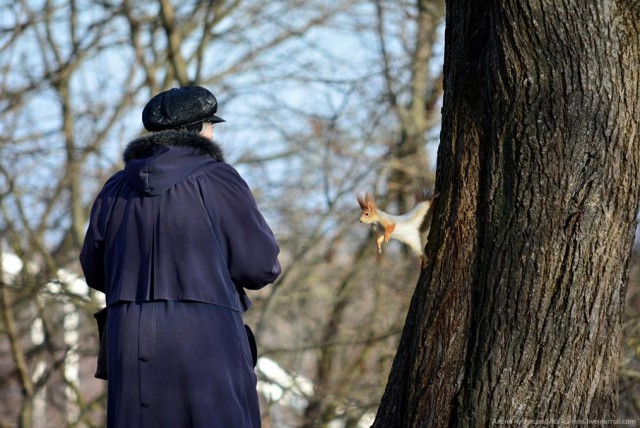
361	201
368	198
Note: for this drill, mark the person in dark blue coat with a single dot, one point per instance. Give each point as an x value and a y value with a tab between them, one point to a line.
174	239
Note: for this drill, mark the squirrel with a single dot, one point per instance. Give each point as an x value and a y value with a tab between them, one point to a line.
407	228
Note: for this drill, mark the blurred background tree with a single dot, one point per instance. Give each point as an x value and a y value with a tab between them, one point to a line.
322	99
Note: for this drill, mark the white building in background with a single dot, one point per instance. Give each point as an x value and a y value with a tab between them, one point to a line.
288	392
65	289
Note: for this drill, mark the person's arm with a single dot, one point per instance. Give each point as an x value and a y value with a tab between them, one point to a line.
91	255
252	250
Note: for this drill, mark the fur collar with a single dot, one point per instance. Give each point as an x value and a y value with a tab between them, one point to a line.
202	145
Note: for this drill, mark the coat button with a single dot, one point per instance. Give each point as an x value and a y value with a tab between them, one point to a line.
144	359
145	404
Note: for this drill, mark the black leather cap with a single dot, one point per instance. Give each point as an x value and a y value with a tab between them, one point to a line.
179	107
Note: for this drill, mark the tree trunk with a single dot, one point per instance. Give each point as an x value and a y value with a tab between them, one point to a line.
518	315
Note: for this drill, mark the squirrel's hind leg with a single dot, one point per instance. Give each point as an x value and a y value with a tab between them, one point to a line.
423	261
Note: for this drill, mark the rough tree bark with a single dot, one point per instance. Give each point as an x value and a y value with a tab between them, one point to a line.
518	315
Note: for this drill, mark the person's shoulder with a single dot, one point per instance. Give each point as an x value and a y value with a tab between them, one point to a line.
117	177
223	170
112	183
222	177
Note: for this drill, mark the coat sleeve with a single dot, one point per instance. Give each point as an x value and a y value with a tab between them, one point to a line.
91	255
252	250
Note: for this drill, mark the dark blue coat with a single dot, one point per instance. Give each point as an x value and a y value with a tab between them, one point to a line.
178	225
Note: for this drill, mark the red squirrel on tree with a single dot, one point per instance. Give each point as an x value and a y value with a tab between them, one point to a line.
409	228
